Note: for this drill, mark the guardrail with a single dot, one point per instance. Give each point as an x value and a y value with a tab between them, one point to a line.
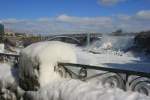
125	78
8	55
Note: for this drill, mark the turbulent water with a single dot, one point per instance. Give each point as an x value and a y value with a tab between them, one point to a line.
115	43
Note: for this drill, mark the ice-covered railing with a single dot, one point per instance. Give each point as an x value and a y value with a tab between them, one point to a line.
135	78
10	56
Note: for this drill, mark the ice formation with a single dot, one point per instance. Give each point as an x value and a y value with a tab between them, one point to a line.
77	90
8	85
38	63
38	67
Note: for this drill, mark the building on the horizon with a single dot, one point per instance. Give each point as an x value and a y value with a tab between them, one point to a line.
1	33
9	33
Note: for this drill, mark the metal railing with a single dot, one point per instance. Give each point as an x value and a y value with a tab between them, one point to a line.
127	79
5	56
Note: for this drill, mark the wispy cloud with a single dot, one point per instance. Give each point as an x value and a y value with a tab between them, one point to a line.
84	20
144	14
138	22
60	24
109	2
73	24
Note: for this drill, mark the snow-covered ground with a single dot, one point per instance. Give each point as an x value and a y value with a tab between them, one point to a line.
109	56
77	90
43	55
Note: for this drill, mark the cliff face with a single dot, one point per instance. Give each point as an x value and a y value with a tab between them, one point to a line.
142	40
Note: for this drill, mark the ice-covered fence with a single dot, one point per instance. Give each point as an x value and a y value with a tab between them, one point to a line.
38	63
10	56
134	78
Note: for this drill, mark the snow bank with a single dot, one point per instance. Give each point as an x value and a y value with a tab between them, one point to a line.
77	90
38	63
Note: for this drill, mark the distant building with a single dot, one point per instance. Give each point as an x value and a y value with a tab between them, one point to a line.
1	33
20	34
9	34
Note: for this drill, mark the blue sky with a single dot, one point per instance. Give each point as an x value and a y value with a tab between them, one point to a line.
75	15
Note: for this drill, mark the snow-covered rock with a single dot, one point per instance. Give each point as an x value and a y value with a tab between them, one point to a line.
38	63
77	90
